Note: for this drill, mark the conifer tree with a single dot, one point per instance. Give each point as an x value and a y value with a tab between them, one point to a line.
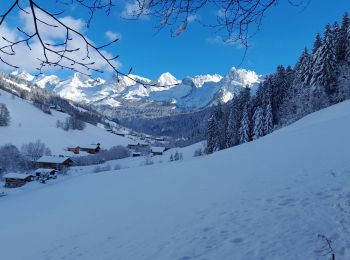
268	125
4	115
212	135
347	46
303	68
244	130
317	43
325	67
258	121
342	38
232	128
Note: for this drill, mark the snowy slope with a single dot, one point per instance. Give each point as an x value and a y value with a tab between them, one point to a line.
29	124
274	198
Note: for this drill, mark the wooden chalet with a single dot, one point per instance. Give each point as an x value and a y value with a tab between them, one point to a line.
14	180
75	150
138	146
158	150
91	150
54	162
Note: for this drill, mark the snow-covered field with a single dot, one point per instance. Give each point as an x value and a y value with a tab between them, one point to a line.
279	197
29	124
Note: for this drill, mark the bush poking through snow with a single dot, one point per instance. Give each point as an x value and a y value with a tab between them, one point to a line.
102	168
117	167
148	160
198	152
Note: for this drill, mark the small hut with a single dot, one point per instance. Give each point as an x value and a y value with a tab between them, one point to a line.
157	150
92	149
14	180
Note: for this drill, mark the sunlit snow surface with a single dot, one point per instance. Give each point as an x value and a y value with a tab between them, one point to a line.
273	198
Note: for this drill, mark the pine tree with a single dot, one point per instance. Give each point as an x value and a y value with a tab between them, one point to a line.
342	38
244	130
268	125
212	135
232	128
221	124
347	46
325	66
4	115
303	68
317	43
318	98
258	120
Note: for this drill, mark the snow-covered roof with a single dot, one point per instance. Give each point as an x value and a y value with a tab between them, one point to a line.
15	175
157	149
52	159
44	170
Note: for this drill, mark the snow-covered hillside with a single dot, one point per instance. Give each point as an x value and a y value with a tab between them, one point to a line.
190	93
279	197
28	124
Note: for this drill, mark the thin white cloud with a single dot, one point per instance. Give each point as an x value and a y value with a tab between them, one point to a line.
133	10
192	18
218	40
111	36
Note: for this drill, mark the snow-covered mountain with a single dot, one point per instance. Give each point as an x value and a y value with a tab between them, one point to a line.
190	93
23	75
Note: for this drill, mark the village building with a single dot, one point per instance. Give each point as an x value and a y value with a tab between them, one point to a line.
136	154
89	149
14	180
54	162
158	150
75	150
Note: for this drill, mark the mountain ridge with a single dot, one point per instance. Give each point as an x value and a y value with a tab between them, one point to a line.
187	94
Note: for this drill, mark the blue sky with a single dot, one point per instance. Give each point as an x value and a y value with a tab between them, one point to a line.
284	33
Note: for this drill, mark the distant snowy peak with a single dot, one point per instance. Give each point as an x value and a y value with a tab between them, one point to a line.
242	76
22	74
82	80
167	80
47	82
201	79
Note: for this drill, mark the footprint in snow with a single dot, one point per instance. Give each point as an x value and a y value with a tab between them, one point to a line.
237	240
